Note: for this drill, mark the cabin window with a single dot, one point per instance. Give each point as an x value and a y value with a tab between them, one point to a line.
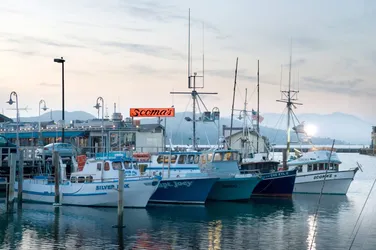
181	159
235	156
196	159
321	166
228	156
218	157
160	159
310	167
336	167
203	159
106	166
127	165
300	168
73	179
190	159
116	165
173	159
99	166
81	179
135	165
315	167
210	157
331	166
89	178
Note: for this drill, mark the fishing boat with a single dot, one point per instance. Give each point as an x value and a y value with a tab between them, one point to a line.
95	185
232	185
318	172
275	182
182	181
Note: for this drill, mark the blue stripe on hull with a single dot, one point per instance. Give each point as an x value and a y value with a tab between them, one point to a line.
184	191
276	184
232	189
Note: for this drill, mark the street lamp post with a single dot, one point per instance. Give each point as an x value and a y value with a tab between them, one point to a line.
62	60
18	117
44	109
97	106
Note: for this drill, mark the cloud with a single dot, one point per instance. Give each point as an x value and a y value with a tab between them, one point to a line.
225	73
352	87
21	52
296	63
151	10
152	50
44	84
84	24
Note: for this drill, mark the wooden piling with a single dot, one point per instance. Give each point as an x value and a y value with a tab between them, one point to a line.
20	178
12	179
120	199
56	164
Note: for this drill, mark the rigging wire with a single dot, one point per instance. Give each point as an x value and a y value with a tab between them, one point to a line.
281	118
318	203
181	120
360	214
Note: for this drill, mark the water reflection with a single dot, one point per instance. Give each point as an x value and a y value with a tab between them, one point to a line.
257	224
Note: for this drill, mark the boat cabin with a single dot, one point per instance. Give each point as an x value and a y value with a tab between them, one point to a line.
178	163
220	161
260	162
317	160
105	168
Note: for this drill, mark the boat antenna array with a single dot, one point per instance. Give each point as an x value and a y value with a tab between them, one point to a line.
289	97
196	95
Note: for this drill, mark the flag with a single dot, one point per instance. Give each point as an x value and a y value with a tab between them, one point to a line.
255	115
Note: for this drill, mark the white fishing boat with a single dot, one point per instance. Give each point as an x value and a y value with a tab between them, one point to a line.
318	172
95	185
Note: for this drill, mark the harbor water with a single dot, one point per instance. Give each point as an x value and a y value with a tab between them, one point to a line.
261	223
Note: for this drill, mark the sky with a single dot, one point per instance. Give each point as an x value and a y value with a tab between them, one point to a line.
135	52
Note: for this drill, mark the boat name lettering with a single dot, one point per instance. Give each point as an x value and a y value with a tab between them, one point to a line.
175	184
322	176
275	174
108	187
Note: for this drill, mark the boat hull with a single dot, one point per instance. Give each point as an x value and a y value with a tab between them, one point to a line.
233	189
336	183
102	194
277	184
183	190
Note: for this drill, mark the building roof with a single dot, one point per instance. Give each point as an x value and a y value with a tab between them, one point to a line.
4	118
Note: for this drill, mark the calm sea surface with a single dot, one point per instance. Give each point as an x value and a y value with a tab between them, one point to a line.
258	224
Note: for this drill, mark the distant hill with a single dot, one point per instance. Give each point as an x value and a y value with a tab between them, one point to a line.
336	125
180	131
56	115
344	128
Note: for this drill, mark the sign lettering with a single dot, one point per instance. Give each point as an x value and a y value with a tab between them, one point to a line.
175	184
152	112
276	174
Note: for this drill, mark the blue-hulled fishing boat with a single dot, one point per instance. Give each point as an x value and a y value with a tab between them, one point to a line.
182	182
275	182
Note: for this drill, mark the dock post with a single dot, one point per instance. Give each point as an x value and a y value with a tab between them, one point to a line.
121	197
56	163
20	178
11	183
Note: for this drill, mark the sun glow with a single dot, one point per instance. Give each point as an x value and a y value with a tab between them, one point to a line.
310	129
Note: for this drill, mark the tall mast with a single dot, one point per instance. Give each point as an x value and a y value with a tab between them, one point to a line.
189	48
289	97
245	125
233	101
258	104
194	92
